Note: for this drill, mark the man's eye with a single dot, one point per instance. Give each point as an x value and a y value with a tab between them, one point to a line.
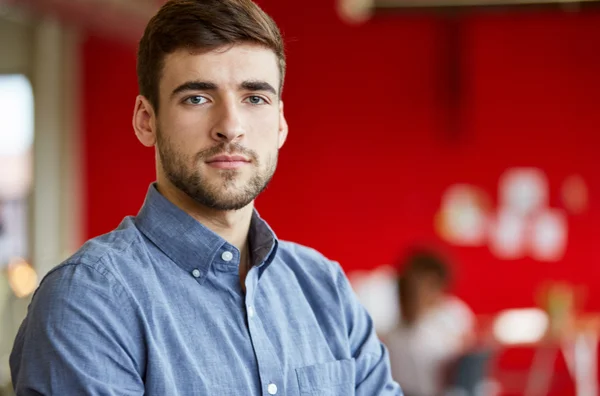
256	100
195	100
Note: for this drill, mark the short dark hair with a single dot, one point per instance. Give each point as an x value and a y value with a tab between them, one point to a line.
202	25
427	262
419	263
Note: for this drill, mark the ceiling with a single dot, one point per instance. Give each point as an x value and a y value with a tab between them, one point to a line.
467	3
123	18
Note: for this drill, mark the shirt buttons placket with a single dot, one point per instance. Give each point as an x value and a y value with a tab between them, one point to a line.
272	389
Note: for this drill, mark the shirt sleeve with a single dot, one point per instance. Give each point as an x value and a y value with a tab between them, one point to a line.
373	374
80	337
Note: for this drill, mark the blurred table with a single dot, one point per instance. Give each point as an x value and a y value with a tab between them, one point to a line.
580	350
576	344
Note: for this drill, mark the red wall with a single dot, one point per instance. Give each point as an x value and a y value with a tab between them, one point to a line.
370	148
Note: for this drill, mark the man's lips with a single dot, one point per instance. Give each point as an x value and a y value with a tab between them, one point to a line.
227	161
228	158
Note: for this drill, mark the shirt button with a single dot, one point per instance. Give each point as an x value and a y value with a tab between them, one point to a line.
196	273
227	256
272	389
250	312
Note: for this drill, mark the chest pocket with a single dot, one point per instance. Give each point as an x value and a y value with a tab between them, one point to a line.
327	379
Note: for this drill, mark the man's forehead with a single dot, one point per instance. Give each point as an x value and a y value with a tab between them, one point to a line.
222	66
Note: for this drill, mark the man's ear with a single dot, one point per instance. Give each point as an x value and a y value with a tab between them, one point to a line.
144	121
283	127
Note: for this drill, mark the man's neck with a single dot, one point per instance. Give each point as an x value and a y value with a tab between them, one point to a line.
233	226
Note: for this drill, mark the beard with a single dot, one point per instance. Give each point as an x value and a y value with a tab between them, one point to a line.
220	193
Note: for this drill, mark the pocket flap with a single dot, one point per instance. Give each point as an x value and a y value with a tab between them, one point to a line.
326	375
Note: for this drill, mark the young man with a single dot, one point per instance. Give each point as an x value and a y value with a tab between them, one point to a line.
196	295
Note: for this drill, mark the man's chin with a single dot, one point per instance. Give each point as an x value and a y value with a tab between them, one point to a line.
227	205
230	198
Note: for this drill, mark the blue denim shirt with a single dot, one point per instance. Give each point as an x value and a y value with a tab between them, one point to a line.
155	308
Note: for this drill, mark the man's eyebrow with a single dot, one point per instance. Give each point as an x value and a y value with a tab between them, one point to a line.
195	86
258	86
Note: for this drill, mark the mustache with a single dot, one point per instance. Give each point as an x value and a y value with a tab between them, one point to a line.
227	148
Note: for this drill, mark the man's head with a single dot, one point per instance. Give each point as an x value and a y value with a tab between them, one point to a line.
423	282
210	74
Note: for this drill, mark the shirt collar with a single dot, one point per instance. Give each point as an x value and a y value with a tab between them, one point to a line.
193	246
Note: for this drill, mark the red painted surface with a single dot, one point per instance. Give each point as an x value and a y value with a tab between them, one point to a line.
371	149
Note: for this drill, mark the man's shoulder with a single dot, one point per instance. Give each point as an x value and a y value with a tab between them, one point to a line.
457	311
310	264
295	254
105	253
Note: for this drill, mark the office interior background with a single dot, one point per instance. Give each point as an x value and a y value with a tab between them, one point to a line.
472	127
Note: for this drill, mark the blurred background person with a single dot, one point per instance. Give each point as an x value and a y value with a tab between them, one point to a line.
435	327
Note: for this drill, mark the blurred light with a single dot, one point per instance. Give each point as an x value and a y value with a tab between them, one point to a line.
377	291
16	176
463	216
355	11
488	387
22	278
523	190
16	115
549	235
520	326
16	136
575	194
507	235
523	223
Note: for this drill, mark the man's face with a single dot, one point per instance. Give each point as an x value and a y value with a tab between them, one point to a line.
220	123
429	290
